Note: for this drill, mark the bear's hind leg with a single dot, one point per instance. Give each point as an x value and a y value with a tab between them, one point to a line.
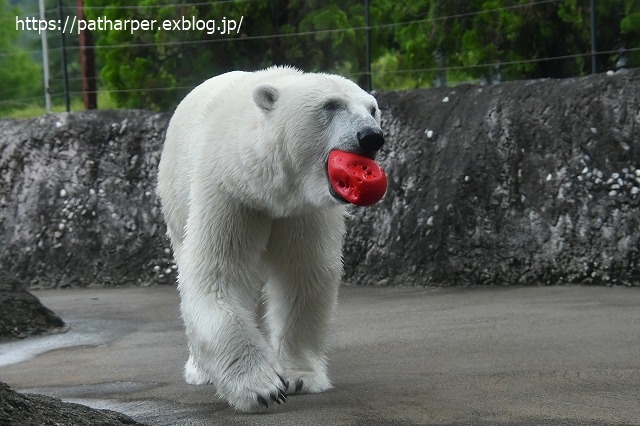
304	255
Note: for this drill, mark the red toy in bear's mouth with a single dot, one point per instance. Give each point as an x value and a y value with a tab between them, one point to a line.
357	179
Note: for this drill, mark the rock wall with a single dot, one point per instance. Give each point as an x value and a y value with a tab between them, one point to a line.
77	199
532	182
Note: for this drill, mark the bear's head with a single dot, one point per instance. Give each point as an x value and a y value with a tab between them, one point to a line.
329	134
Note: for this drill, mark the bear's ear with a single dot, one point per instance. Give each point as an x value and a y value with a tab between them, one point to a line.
265	96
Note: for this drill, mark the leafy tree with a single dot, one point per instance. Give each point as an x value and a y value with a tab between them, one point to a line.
19	74
404	42
618	29
630	32
517	35
154	69
494	40
414	43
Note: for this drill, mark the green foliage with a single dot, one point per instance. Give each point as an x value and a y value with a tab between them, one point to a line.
494	40
630	30
630	24
167	63
413	43
21	77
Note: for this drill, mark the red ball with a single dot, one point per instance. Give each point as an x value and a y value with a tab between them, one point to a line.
357	179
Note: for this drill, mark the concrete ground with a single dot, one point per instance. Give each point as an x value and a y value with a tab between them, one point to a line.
529	356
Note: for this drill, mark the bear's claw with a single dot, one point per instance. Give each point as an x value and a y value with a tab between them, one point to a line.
299	385
262	401
278	398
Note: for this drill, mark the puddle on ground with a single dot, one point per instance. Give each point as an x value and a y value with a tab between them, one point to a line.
91	390
81	332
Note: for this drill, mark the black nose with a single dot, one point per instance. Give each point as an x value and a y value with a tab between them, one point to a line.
370	139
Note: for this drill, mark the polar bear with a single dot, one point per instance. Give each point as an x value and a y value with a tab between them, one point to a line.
256	224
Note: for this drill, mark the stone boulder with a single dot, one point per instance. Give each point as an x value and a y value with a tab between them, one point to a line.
36	410
21	313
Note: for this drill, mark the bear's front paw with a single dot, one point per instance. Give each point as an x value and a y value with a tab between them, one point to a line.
254	390
307	382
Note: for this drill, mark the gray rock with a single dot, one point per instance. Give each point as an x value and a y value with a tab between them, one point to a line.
77	199
506	184
21	313
37	410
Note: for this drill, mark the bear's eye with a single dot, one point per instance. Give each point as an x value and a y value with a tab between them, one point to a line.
331	105
373	111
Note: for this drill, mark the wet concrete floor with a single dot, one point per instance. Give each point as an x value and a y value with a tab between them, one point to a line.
401	356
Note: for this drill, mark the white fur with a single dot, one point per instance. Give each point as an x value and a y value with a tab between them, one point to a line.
254	226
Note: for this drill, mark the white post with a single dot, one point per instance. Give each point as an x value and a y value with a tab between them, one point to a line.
45	59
